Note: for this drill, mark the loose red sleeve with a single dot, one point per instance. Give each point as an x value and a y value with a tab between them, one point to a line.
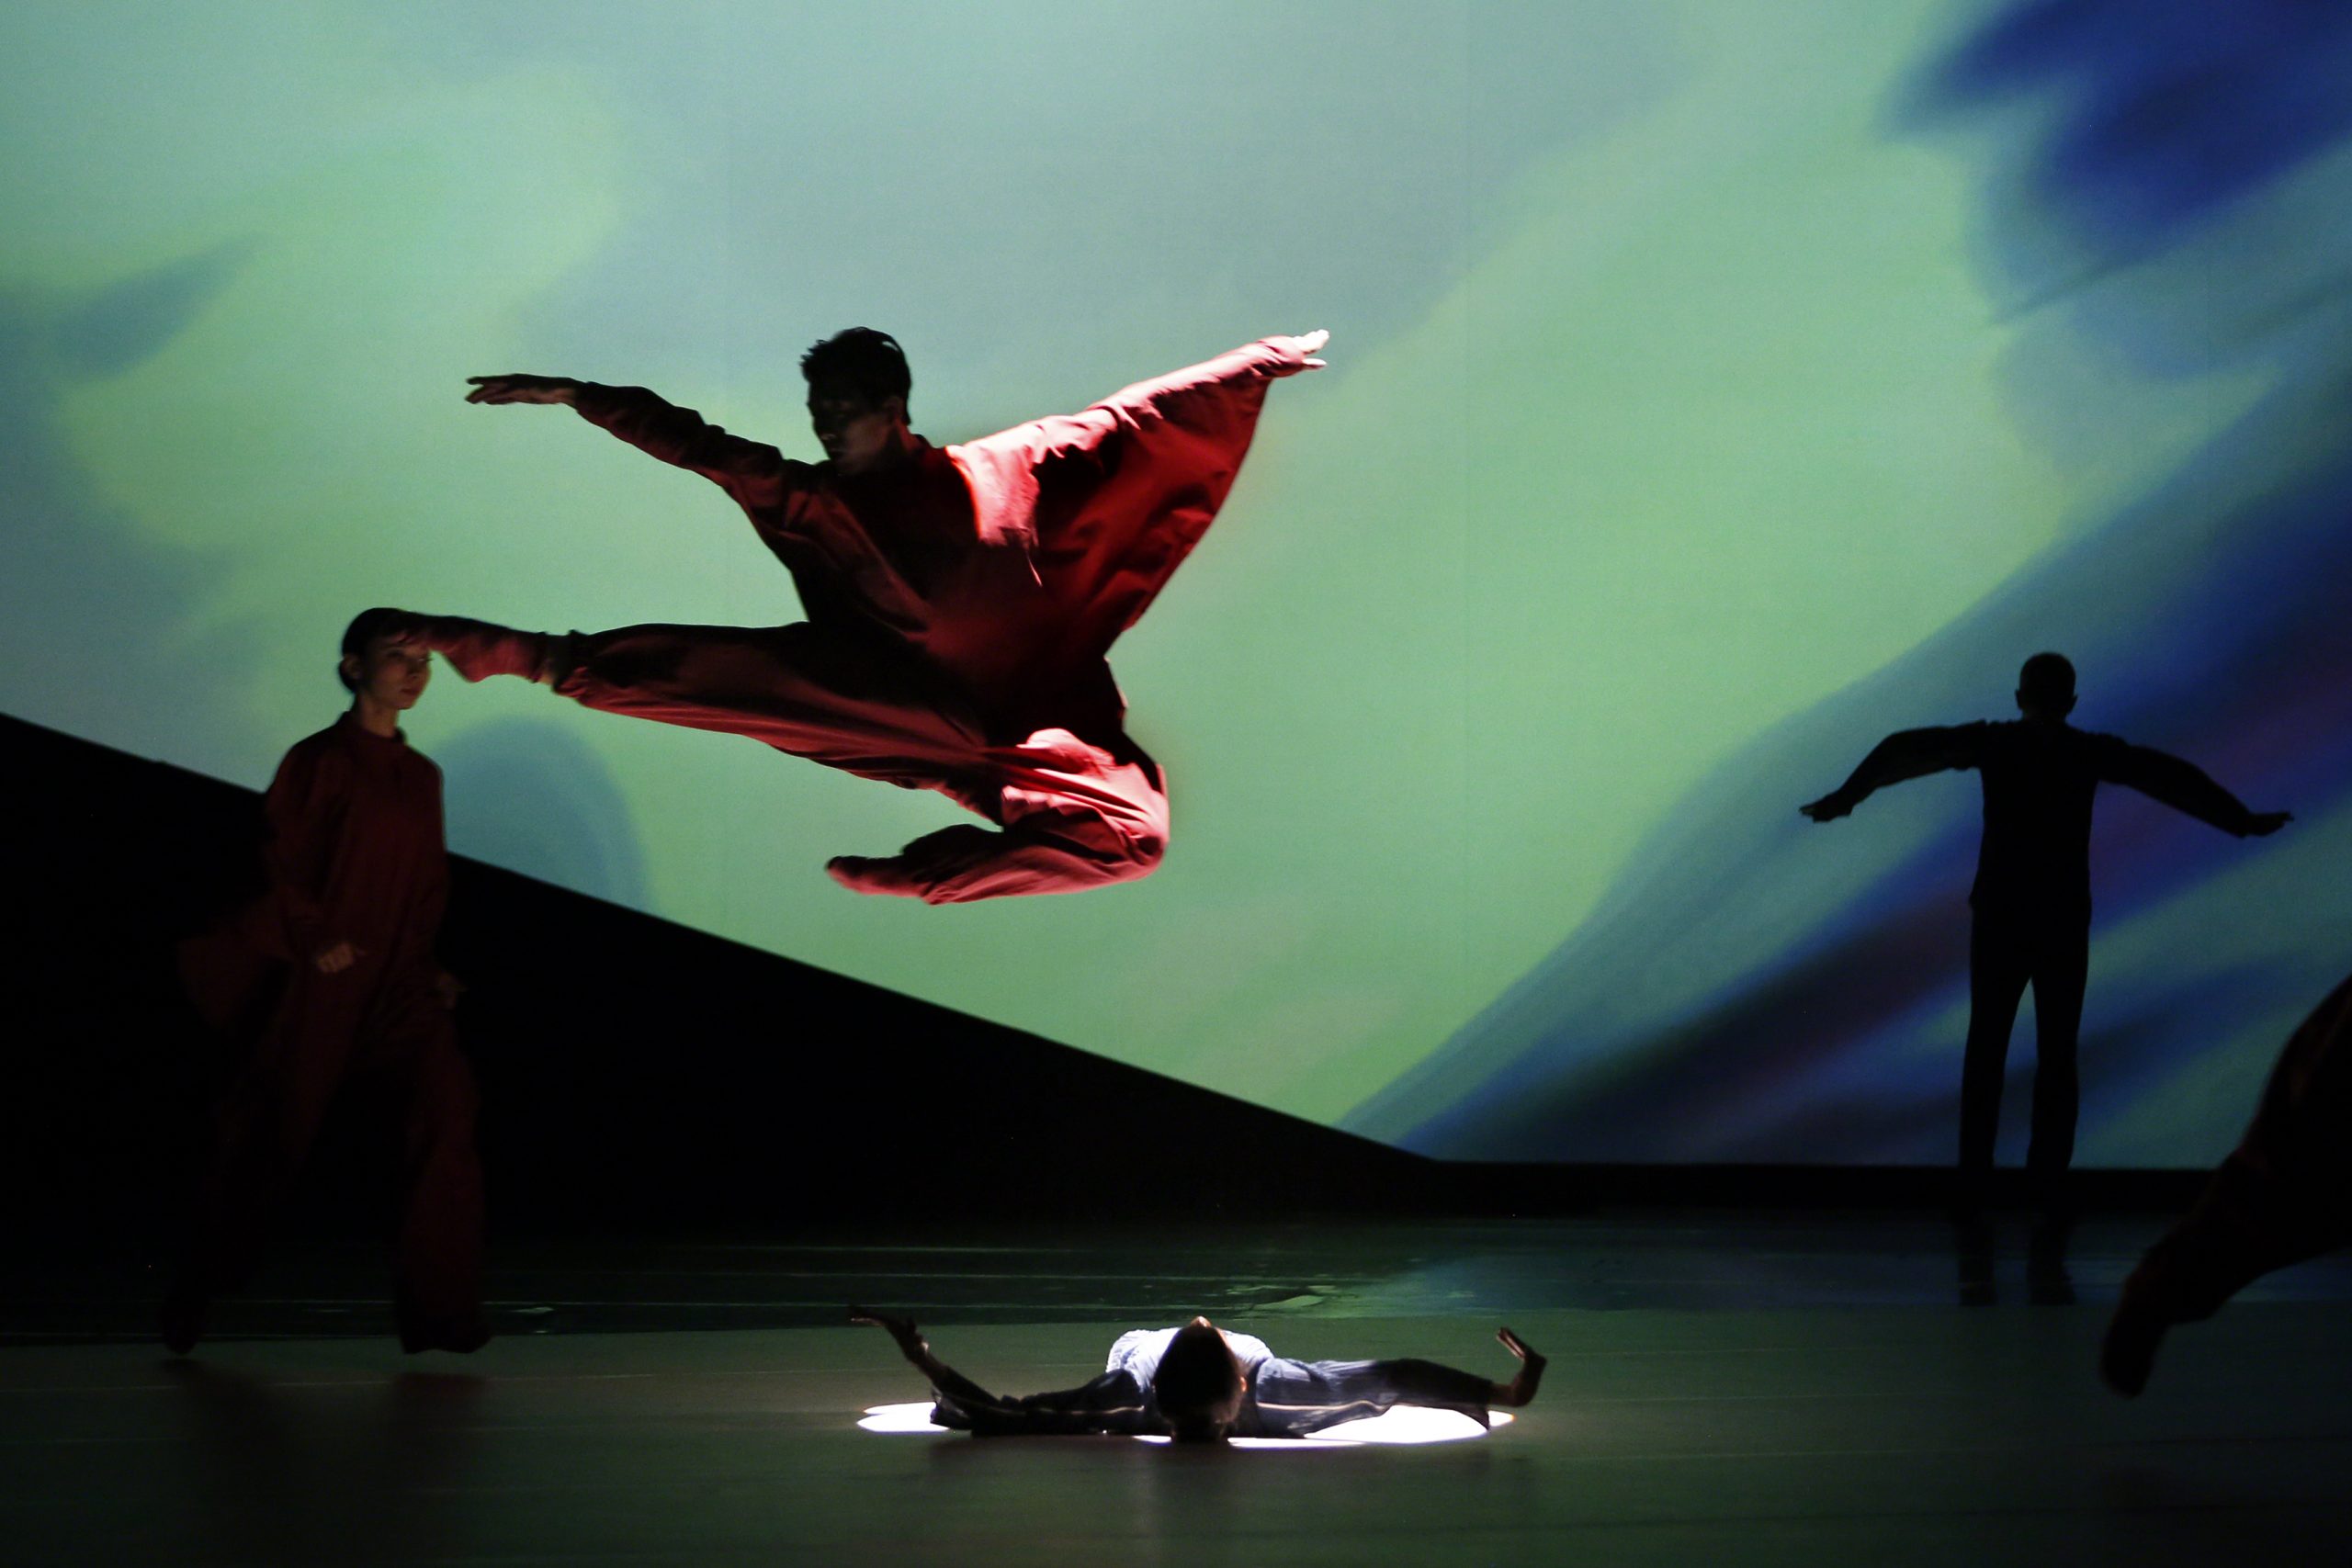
1111	500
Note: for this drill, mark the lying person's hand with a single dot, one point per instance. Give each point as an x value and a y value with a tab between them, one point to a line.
902	1330
1520	1388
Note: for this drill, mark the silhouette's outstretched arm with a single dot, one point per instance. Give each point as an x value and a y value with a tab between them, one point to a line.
2187	788
1906	754
661	429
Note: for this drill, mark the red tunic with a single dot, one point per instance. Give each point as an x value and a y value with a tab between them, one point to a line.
960	608
352	852
1010	564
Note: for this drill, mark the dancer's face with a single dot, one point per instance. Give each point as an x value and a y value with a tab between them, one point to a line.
392	671
2044	704
855	433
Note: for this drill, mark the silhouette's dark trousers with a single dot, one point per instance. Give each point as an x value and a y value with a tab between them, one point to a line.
2005	953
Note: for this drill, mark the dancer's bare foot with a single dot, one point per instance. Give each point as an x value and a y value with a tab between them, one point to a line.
871	874
478	649
562	654
1520	1388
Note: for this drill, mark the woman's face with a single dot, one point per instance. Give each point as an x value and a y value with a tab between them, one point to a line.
393	670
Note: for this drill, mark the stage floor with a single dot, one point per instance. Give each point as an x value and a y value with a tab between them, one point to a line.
1728	1389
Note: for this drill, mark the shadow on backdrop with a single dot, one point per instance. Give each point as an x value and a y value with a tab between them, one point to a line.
532	797
95	613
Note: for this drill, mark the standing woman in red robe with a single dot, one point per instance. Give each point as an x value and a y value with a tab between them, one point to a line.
327	984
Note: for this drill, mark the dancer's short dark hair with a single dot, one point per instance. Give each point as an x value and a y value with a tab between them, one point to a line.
864	361
2048	675
365	628
1198	1385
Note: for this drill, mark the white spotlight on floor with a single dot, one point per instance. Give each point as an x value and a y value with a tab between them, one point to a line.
1405	1424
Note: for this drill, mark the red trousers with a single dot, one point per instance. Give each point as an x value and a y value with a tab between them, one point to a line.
391	1043
2283	1195
1073	813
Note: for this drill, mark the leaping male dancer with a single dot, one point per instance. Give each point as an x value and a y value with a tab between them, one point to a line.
961	602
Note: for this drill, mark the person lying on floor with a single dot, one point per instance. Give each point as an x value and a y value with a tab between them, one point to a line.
1201	1383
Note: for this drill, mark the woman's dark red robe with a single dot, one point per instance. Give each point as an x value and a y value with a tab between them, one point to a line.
353	854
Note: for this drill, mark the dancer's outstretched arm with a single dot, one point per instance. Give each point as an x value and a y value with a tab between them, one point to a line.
1353	1387
917	1350
658	428
516	387
1111	1403
1165	397
2187	788
1521	1388
1906	754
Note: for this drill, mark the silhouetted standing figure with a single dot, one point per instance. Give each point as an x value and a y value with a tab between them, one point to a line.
326	986
2283	1195
2032	895
961	601
1201	1383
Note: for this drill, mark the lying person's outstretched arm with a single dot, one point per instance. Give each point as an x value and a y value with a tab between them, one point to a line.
1112	1402
917	1350
1521	1388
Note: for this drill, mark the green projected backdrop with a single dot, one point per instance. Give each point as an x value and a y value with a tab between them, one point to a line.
1716	386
